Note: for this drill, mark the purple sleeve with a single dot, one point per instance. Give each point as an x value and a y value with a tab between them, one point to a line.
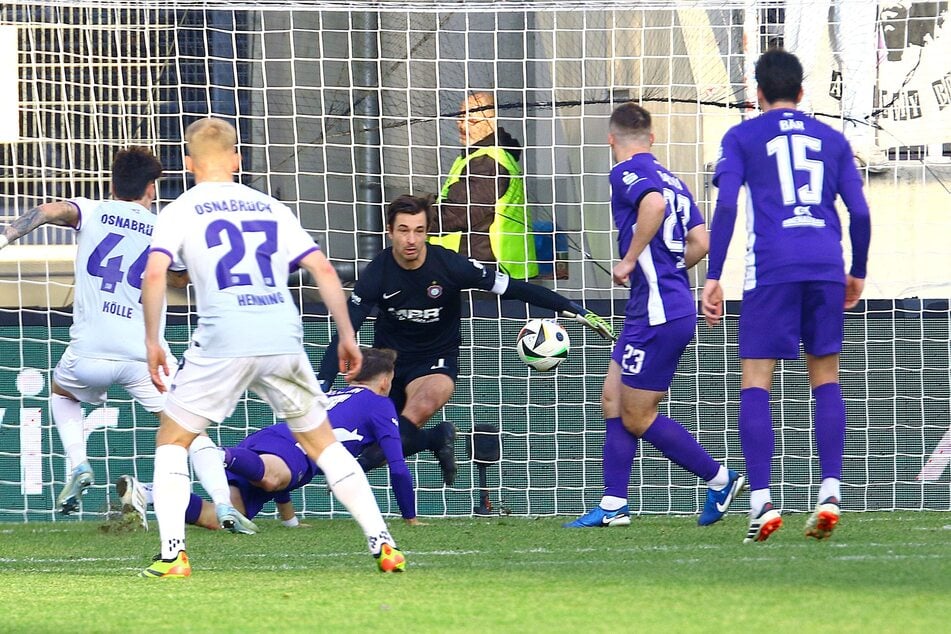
724	218
730	159
282	497
400	476
695	217
860	224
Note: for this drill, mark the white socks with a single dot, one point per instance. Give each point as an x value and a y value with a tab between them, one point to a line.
720	480
170	492
829	489
68	417
758	499
208	463
349	484
612	502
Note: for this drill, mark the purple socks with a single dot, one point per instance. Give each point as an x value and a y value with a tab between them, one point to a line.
756	436
244	462
680	447
193	510
620	447
830	429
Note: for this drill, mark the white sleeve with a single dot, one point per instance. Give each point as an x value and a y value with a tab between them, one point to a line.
85	207
168	235
294	240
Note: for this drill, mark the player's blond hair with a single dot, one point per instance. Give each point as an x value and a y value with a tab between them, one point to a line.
207	138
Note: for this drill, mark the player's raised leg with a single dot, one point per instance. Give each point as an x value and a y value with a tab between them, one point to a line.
426	394
644	380
349	484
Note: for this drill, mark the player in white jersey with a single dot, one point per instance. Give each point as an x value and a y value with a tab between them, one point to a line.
239	246
105	347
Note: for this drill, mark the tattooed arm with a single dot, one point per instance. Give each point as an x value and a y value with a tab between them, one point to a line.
62	213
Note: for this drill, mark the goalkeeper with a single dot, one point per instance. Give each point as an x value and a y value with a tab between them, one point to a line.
417	288
269	464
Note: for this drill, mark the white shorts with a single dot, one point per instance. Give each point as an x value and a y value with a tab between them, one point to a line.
207	389
89	379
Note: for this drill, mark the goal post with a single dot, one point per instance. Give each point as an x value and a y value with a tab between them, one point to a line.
341	106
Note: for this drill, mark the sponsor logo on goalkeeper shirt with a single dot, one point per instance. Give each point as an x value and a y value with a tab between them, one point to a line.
417	315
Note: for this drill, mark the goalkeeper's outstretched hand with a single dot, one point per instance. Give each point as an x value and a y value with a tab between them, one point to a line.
591	320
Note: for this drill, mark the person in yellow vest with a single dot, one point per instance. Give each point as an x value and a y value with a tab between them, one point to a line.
481	212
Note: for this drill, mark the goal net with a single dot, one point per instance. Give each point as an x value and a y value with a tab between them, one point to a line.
341	106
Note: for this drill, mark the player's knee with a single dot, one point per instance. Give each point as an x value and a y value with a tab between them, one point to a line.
308	422
271	482
637	424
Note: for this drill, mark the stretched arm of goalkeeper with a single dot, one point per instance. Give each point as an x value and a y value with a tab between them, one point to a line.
545	298
329	364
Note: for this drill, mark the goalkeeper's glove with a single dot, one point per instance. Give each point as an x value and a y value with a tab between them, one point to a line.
585	317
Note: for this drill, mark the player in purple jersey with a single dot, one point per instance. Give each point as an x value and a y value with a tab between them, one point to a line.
417	288
269	464
660	234
795	285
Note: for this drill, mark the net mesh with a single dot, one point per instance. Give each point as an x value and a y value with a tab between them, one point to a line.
341	107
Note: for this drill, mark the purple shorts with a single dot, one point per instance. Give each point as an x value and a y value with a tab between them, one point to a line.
648	355
775	318
269	441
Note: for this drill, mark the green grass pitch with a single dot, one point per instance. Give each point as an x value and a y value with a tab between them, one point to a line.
881	572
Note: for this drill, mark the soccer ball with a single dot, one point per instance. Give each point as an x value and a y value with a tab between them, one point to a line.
543	344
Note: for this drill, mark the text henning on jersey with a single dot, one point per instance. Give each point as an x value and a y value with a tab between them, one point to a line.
249	299
232	205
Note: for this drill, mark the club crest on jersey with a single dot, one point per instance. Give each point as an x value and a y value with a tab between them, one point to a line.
434	290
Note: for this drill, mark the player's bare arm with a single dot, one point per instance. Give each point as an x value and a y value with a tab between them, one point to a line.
698	244
650	216
711	301
154	286
331	292
62	213
288	515
853	290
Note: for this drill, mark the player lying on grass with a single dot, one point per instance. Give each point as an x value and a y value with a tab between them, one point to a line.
268	464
